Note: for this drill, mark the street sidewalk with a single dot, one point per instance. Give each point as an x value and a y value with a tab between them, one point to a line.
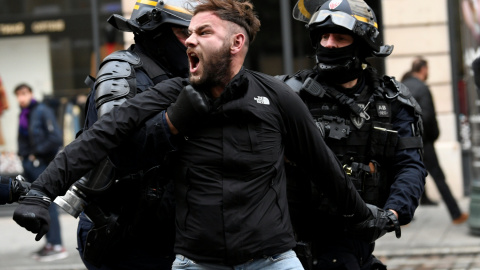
17	244
430	235
432	241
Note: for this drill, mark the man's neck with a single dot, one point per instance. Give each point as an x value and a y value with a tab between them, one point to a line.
218	89
419	76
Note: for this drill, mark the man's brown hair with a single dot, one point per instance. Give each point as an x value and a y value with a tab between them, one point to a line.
21	86
418	64
239	12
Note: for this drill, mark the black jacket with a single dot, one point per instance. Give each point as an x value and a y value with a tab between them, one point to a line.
231	184
44	137
422	94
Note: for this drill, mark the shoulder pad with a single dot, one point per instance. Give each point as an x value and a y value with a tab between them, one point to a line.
292	81
281	77
117	65
296	81
124	56
395	89
114	70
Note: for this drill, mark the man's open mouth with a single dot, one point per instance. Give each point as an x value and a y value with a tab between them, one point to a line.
194	61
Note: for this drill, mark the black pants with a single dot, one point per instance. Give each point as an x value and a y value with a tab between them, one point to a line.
345	253
433	167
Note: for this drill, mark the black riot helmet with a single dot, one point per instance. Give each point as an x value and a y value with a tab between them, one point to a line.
151	23
346	16
351	17
149	16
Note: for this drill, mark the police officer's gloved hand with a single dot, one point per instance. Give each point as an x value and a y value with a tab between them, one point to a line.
32	213
190	106
19	188
380	222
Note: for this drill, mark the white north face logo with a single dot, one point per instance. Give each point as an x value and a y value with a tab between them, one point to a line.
262	100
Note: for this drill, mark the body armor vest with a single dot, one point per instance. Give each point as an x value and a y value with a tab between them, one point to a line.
358	128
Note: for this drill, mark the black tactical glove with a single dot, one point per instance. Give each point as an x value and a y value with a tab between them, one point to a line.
20	187
380	222
32	213
12	189
190	106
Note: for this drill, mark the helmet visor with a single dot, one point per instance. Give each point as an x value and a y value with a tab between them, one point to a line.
338	18
180	6
303	9
179	11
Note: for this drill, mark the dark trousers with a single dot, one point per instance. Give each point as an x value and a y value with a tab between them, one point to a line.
344	253
433	167
133	256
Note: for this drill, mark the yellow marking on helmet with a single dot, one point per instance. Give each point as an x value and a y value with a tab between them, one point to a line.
363	19
177	9
303	10
147	2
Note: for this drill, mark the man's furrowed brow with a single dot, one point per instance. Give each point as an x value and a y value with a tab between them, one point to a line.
200	28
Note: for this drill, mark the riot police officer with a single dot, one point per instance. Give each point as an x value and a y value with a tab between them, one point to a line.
371	123
128	218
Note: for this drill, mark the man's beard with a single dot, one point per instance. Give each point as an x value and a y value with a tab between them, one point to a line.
216	70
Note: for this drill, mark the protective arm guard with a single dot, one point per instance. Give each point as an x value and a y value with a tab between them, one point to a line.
381	222
116	81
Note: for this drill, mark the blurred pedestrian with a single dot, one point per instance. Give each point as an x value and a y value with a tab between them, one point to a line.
3	106
424	200
39	139
421	92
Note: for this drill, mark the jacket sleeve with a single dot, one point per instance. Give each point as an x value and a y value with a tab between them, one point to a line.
306	147
408	171
431	131
50	140
94	144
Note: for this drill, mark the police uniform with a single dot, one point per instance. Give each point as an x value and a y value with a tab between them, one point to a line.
374	128
379	148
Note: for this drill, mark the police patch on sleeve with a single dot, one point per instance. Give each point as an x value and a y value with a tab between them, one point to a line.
383	109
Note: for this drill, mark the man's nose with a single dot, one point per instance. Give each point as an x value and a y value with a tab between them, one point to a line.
331	43
190	41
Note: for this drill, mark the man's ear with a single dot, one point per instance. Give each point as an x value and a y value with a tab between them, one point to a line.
238	42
